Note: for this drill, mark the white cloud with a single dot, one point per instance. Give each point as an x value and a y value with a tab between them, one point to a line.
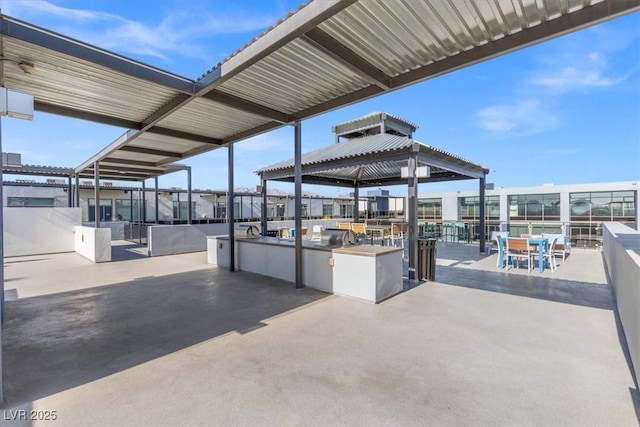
177	33
526	117
579	73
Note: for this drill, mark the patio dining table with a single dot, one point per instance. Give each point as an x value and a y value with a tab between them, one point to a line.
541	242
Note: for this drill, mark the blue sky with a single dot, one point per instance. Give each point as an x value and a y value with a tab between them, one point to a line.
564	111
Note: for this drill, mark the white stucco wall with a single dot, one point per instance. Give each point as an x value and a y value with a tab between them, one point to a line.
93	243
33	231
621	248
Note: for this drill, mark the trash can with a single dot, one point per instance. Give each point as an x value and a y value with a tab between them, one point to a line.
427	259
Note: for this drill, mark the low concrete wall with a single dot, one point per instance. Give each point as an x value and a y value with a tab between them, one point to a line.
621	248
34	231
117	228
93	243
179	239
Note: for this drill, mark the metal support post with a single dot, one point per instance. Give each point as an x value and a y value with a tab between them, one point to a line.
230	212
156	197
483	227
144	202
77	190
189	197
412	213
70	192
298	200
96	190
356	203
263	210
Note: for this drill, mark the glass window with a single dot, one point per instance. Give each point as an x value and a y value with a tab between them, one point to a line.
30	202
181	210
534	207
470	207
327	210
125	210
430	208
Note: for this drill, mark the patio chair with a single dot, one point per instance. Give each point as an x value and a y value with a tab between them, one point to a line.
518	248
344	225
563	247
495	243
360	230
549	253
316	232
398	231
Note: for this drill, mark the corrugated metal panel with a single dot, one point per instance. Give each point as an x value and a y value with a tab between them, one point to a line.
62	80
366	146
377	115
296	77
163	142
404	35
352	148
205	117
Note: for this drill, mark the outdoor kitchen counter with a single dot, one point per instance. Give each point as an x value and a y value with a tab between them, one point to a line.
368	272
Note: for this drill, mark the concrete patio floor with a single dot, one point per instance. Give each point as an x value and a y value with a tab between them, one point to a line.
172	341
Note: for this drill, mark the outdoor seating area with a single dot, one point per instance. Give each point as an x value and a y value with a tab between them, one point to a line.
541	251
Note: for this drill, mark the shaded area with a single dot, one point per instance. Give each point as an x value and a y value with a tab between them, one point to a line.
531	286
128	251
59	341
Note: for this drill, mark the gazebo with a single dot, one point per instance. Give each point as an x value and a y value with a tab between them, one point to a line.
378	151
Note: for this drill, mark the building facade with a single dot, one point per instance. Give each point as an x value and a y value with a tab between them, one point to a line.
576	210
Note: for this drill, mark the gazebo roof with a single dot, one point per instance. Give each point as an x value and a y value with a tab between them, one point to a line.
372	161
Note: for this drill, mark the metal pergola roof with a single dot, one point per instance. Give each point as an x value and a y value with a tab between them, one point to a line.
372	161
327	55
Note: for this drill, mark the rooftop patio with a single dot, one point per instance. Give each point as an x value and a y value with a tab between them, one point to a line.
170	340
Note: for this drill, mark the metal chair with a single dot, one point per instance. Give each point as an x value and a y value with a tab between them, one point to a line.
518	248
549	253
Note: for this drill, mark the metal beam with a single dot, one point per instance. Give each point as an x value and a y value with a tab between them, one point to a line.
298	201
127	169
178	101
252	132
150	151
129	162
339	102
84	115
304	20
570	22
11	28
246	106
336	50
184	135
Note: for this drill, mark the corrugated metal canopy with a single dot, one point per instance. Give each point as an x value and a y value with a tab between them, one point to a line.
372	161
329	54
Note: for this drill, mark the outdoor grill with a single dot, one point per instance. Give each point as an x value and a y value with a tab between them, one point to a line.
246	230
337	237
